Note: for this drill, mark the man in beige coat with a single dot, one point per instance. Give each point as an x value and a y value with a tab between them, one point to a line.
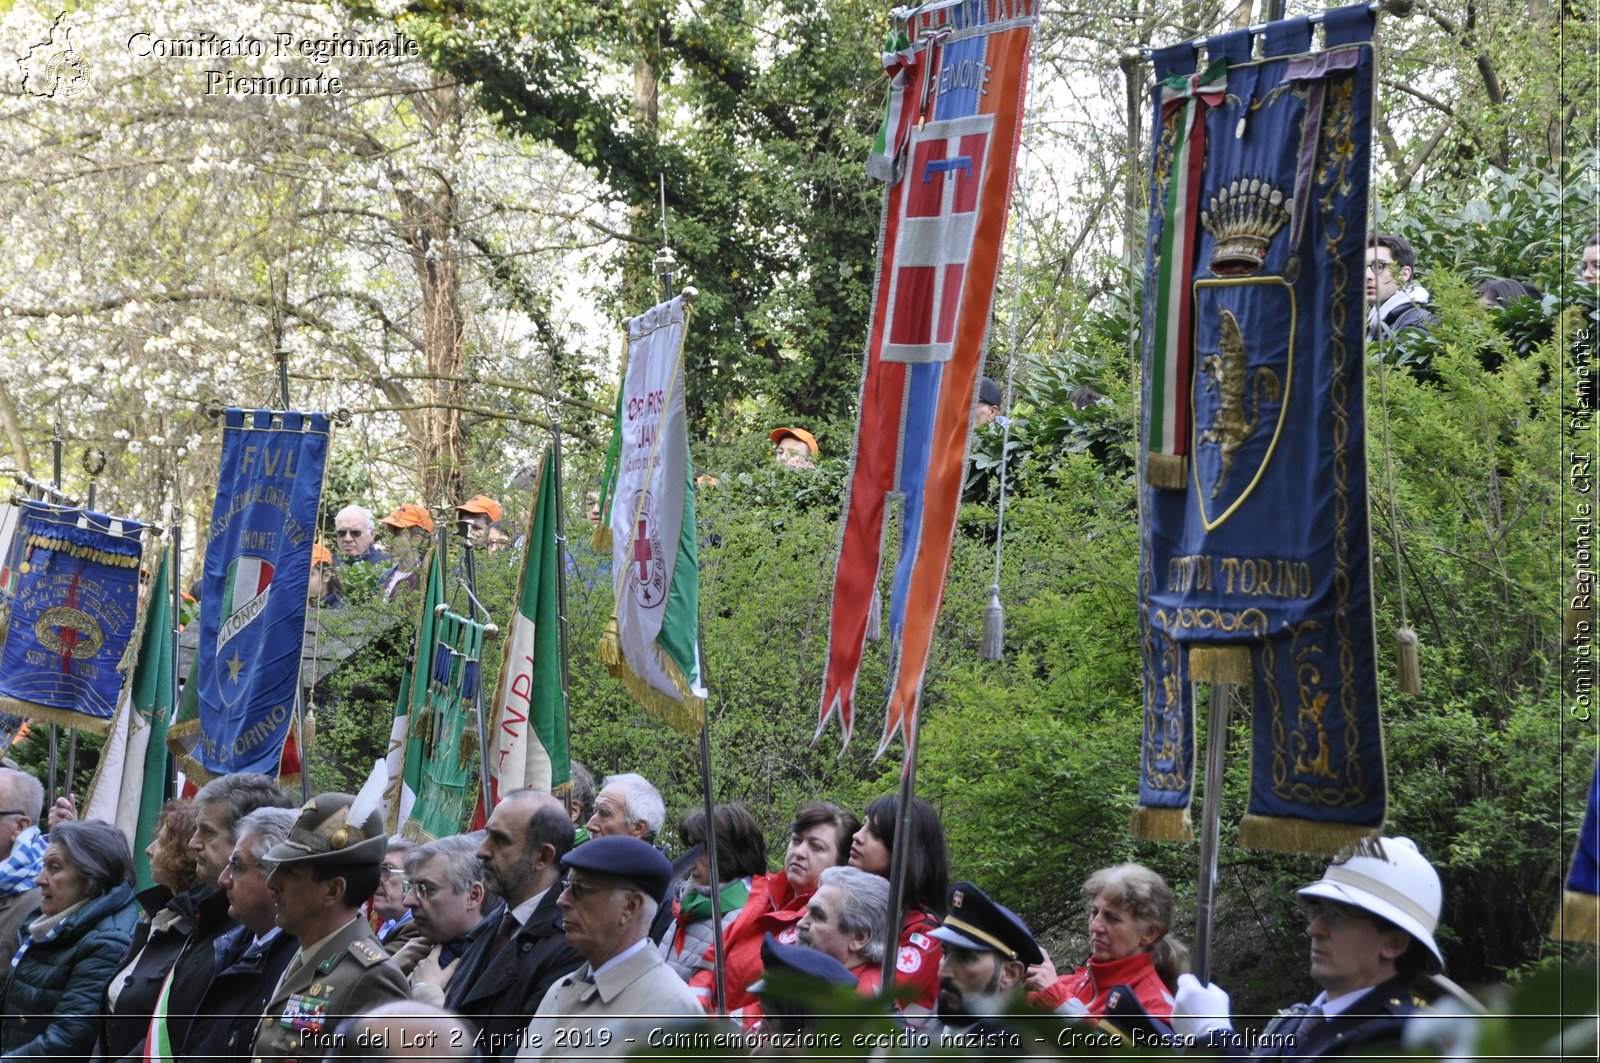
613	889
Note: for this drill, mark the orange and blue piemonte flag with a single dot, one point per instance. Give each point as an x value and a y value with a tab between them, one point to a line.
948	152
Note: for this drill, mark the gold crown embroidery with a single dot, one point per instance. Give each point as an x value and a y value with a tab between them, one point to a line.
1244	217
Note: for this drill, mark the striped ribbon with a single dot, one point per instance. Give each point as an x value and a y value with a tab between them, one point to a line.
1172	347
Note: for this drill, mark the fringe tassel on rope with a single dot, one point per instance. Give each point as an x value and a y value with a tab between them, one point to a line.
1408	670
994	627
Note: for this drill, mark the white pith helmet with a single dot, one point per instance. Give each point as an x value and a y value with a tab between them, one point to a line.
1401	887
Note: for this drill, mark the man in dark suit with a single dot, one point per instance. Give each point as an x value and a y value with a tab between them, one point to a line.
503	975
250	958
1371	919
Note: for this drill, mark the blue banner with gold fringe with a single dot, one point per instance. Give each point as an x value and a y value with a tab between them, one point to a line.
253	595
1255	565
73	616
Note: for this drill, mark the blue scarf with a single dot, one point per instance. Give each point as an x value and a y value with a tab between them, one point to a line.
18	870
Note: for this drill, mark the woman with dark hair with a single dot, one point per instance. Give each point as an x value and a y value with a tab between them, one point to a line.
819	837
166	919
85	920
741	855
1500	292
927	883
1130	912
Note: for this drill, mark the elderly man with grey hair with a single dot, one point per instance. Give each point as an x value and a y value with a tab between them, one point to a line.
628	806
21	855
847	918
252	956
355	528
450	907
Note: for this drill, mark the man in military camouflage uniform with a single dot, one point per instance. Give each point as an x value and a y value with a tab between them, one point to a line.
321	875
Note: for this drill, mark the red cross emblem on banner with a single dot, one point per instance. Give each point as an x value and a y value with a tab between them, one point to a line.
939	217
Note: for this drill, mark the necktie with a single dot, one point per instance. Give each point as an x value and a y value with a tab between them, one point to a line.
508	928
1310	1019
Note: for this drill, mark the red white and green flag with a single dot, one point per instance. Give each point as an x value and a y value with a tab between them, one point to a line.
529	747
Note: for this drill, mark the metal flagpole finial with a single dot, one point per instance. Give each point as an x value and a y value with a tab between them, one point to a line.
666	264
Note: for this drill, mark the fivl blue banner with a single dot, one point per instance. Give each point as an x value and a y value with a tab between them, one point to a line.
1255	565
70	623
253	595
1578	918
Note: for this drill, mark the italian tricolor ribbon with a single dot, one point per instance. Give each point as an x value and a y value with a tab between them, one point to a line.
1172	360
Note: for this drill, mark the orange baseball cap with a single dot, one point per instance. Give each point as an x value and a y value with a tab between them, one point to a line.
799	433
320	555
481	504
410	515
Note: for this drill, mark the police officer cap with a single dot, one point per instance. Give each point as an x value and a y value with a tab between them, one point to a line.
324	835
626	858
988	391
799	961
976	922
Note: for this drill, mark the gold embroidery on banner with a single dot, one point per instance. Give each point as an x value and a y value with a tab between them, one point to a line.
1228	373
1225	621
1268	384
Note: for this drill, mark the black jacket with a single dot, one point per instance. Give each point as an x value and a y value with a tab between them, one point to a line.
1375	1021
223	1030
500	997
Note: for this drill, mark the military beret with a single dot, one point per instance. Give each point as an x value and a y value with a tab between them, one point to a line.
626	858
976	922
799	961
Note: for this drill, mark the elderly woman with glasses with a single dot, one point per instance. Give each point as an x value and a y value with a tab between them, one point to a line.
86	917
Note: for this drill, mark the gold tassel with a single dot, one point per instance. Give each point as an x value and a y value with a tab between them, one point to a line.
1219	664
1168	471
875	618
1285	835
421	723
469	746
1578	918
1162	824
610	649
600	542
994	627
1408	670
308	734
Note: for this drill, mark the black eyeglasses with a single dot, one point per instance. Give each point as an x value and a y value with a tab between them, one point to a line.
348	533
1379	268
237	867
580	890
13	812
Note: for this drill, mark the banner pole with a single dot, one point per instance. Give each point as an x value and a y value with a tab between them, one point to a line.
1217	714
902	851
55	734
469	573
177	626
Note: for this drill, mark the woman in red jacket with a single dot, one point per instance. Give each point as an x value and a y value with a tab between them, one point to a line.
927	883
1130	909
819	837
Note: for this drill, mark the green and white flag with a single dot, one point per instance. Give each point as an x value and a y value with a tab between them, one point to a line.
529	747
653	641
404	759
131	780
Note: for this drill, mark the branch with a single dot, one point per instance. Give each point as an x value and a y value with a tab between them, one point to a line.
1431	101
493	382
493	415
1423	155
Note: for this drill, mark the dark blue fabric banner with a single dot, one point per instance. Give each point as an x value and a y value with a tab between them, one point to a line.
253	599
72	617
1579	918
1256	569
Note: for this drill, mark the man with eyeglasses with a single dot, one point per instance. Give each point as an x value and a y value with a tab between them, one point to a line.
21	855
450	910
355	528
504	974
1394	302
220	806
389	908
1371	919
252	956
613	888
